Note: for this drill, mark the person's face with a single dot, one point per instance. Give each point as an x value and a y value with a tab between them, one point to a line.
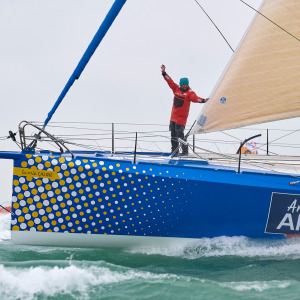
184	87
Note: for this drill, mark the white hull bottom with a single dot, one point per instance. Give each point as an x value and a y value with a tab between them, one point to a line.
59	239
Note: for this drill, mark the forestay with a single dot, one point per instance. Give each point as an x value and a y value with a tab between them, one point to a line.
261	82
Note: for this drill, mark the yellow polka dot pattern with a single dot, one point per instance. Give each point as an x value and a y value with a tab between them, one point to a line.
96	196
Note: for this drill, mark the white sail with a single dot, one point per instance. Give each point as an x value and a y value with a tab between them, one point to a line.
262	82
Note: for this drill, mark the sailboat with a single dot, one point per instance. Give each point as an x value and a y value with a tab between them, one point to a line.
100	199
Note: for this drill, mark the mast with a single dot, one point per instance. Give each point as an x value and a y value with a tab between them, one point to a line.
104	27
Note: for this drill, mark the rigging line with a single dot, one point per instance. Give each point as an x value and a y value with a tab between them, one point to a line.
100	148
146	139
217	147
52	144
264	129
225	155
223	142
91	147
278	138
7	210
271	21
197	154
99	123
285	135
262	145
207	159
155	143
108	132
286	146
215	26
245	161
231	136
18	144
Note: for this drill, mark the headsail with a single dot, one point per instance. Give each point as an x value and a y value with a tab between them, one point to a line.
261	83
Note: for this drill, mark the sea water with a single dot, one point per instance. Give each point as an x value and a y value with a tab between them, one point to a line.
218	268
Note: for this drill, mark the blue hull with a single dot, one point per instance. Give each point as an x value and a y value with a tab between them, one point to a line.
105	195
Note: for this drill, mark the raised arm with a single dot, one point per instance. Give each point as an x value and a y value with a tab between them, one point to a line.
194	98
168	79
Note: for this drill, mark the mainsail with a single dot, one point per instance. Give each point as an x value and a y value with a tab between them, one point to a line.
262	81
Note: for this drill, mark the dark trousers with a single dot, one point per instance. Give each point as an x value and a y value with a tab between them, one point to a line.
177	131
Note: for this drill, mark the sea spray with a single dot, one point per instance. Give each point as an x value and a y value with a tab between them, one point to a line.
229	246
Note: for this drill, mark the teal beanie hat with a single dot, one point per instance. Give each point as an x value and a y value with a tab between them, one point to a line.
183	81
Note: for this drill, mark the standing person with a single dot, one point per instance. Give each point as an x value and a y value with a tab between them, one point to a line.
183	95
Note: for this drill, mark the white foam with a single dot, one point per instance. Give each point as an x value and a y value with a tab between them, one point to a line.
229	246
220	246
29	283
5	227
258	286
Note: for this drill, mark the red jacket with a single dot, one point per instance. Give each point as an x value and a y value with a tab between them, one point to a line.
181	102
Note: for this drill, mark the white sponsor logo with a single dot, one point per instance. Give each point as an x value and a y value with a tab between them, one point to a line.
287	220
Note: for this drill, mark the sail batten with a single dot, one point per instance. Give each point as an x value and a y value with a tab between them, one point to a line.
261	83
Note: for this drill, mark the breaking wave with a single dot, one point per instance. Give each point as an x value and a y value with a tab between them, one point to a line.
258	286
207	247
32	282
229	246
33	273
4	227
115	282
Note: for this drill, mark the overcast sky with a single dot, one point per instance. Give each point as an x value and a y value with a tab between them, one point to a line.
42	42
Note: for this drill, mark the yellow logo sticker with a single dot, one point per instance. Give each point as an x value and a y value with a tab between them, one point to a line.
34	172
